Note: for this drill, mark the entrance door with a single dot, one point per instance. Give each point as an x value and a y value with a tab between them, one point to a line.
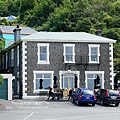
4	90
68	81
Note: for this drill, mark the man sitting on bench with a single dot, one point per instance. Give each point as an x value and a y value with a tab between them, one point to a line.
51	94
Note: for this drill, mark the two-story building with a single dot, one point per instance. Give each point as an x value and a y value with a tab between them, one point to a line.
43	59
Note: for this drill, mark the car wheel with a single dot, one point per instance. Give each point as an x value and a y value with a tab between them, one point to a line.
116	104
78	103
101	102
93	104
72	100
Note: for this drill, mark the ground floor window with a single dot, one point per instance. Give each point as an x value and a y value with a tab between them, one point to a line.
91	76
42	80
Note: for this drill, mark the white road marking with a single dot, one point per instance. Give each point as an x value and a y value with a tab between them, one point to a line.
28	116
46	102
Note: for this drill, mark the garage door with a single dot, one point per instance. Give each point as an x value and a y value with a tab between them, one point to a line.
4	90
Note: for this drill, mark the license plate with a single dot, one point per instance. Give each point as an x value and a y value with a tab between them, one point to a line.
87	97
113	97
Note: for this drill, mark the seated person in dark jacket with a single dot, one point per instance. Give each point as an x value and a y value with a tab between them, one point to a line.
51	94
70	93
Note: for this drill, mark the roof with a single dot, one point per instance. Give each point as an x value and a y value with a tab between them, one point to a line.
67	37
24	30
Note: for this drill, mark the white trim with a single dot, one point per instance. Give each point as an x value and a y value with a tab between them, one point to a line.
38	54
34	82
18	55
94	72
72	72
111	64
10	78
98	52
73	52
24	78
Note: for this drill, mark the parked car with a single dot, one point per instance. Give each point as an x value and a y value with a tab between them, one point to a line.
105	96
83	95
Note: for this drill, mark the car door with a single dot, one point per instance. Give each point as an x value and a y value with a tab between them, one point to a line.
98	96
74	93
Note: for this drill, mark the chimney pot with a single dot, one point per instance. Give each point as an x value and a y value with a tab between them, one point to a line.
17	33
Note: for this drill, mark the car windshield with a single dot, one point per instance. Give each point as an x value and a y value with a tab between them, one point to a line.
88	92
113	92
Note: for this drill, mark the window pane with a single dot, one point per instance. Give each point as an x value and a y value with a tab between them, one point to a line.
46	83
47	76
65	83
69	51
43	49
70	83
38	75
37	84
94	50
43	57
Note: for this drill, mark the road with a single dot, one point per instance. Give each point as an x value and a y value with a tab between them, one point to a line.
56	110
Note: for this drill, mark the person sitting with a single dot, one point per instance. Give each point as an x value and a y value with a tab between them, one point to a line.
70	93
51	94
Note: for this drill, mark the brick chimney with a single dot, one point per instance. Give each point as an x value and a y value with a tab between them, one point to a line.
17	33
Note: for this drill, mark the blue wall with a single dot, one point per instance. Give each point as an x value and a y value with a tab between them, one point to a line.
10	39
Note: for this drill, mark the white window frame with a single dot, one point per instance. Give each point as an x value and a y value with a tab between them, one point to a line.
42	45
73	53
98	53
42	72
18	55
94	72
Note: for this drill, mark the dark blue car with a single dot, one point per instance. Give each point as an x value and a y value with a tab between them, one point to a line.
83	95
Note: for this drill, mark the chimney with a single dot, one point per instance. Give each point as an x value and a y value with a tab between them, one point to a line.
98	32
17	33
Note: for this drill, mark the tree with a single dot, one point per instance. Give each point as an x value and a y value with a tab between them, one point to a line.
2	43
1	79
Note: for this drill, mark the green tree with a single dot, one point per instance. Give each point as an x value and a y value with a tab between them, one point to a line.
1	79
2	43
83	25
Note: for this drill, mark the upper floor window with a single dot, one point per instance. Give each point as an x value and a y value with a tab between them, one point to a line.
94	53
69	53
43	53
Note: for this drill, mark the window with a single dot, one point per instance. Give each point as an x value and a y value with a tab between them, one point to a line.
69	53
46	76
18	55
94	53
43	53
91	76
6	60
12	57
